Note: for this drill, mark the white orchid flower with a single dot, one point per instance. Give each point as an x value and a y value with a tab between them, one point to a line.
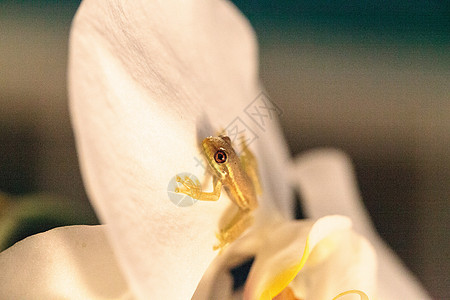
147	81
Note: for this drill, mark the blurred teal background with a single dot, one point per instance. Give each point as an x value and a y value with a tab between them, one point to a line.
369	77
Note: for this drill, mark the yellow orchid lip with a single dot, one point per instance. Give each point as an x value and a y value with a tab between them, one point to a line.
302	249
288	294
358	292
282	280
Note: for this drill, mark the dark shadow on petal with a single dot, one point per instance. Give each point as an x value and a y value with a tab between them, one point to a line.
298	207
240	273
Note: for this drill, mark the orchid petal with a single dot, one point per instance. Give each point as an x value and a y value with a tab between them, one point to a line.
341	262
285	252
236	253
328	186
73	262
148	80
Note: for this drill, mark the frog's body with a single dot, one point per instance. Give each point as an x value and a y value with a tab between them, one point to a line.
239	177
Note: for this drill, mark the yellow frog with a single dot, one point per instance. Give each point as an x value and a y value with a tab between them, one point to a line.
237	174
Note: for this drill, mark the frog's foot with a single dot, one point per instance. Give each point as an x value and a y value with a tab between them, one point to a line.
188	186
241	221
223	239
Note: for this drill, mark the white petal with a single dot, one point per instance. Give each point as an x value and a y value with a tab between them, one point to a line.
74	262
284	252
341	262
147	81
236	253
223	287
328	186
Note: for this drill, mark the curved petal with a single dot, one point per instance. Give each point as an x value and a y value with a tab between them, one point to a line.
284	253
216	278
236	253
44	211
147	81
74	262
326	182
328	186
341	262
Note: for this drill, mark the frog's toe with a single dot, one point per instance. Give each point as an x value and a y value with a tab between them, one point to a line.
222	242
219	247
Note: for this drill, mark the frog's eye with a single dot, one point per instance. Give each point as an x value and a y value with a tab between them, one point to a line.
220	157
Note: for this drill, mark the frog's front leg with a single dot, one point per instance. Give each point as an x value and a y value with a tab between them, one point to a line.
194	190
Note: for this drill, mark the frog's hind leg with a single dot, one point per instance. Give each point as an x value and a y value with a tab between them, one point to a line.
242	220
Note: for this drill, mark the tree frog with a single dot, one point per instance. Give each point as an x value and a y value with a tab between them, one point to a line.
239	177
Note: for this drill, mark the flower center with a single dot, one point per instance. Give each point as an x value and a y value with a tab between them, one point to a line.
286	294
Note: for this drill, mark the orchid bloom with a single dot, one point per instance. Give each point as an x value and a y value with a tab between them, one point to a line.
147	81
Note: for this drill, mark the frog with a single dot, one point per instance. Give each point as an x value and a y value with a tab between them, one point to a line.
237	175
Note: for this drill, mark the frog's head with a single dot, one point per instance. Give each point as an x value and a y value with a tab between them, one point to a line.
220	154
